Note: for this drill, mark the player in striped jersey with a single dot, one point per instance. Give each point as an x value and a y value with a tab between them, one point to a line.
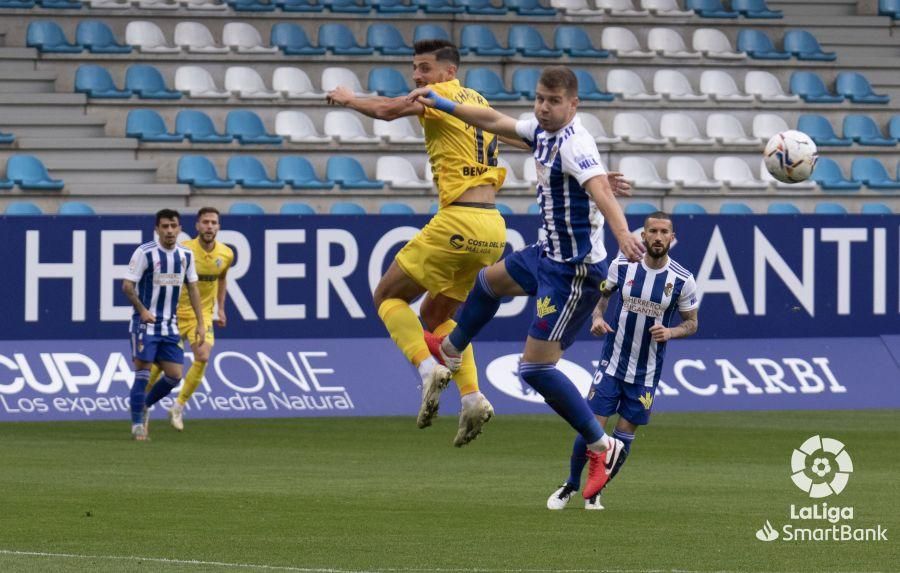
651	291
565	270
155	275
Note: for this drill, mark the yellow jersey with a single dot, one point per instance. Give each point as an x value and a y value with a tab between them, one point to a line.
462	156
210	266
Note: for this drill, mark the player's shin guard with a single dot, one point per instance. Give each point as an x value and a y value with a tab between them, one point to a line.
191	381
160	390
137	396
405	329
479	308
466	378
577	462
626	438
561	394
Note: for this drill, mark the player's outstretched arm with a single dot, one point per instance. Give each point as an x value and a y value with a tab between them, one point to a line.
486	118
128	289
386	108
600	191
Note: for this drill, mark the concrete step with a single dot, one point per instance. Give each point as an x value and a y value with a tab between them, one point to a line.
66	124
99	171
18	59
42	103
22	81
134	192
81	148
820	8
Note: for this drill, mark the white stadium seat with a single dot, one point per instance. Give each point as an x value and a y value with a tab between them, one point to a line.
720	86
297	127
209	5
727	129
512	181
429	175
642	174
634	128
335	77
246	83
623	43
196	38
158	4
197	83
245	39
766	87
767	178
620	8
765	125
629	86
665	8
400	130
346	127
668	43
293	83
109	4
529	172
399	173
675	86
688	172
580	8
681	130
736	173
595	127
148	38
713	43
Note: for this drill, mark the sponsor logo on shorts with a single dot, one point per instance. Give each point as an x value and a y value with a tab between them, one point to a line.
646	400
457	241
545	307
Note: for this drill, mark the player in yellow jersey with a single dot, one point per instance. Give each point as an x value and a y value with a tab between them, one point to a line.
466	234
213	259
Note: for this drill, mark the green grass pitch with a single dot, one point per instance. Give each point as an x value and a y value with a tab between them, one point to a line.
376	494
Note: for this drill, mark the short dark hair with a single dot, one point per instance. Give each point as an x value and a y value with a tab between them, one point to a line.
443	50
205	210
167	214
659	215
556	77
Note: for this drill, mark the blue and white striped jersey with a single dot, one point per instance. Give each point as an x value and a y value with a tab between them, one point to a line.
648	297
159	274
572	226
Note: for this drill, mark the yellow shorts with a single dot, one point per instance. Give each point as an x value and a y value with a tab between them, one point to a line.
188	328
446	255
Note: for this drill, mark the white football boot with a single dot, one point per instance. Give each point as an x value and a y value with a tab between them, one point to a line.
176	416
476	412
560	498
434	381
593	503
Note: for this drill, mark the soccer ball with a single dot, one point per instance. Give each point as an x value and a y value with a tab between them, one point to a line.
790	156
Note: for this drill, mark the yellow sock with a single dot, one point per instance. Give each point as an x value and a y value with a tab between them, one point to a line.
191	381
155	373
405	329
466	378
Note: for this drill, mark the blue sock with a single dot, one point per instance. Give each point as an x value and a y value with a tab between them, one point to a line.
577	462
161	389
561	394
480	307
141	377
626	438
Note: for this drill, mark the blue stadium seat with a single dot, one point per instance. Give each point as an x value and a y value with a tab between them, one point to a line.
300	5
298	172
640	208
889	8
340	40
198	127
530	8
396	209
96	82
98	38
821	131
7	137
870	171
388	40
59	4
147	83
292	40
17	4
876	209
783	209
198	171
525	80
530	43
483	7
758	46
505	209
588	90
75	208
441	7
755	9
248	128
480	40
147	125
296	208
688	209
245	208
864	130
250	173
810	87
827	173
735	209
488	84
349	174
23	209
574	40
395	6
894	127
857	89
28	172
534	209
5	183
827	208
805	46
387	82
431	32
251	6
346	208
349	6
48	37
709	9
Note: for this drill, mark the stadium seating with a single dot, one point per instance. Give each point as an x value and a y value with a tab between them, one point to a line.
339	40
512	180
387	40
335	77
395	6
894	127
665	8
441	7
629	86
6	138
827	173
713	43
758	46
108	4
755	9
867	170
635	129
530	8
98	38
196	82
197	127
96	82
530	43
297	127
875	209
574	41
349	6
674	86
298	172
781	208
594	126
889	8
246	83
345	127
349	174
688	172
27	172
207	5
396	209
250	173
623	43
525	80
827	208
640	208
727	129
59	4
764	175
765	125
710	9
588	90
293	83
245	208
196	38
48	37
397	131
668	43
146	82
577	8
642	173
75	208
158	4
688	208
399	173
293	41
480	40
855	87
483	8
488	84
810	87
22	209
819	129
148	38
244	38
387	82
766	88
248	128
529	173
863	130
250	6
296	208
720	86
147	125
346	208
736	174
534	209
620	8
198	171
735	209
680	129
433	32
804	46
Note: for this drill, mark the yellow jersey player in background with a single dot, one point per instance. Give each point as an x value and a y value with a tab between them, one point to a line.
213	259
466	234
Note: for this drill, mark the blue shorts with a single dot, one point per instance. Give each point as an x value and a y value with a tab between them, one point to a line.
610	396
566	293
156	348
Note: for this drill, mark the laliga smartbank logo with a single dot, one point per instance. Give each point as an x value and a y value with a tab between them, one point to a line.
821	467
